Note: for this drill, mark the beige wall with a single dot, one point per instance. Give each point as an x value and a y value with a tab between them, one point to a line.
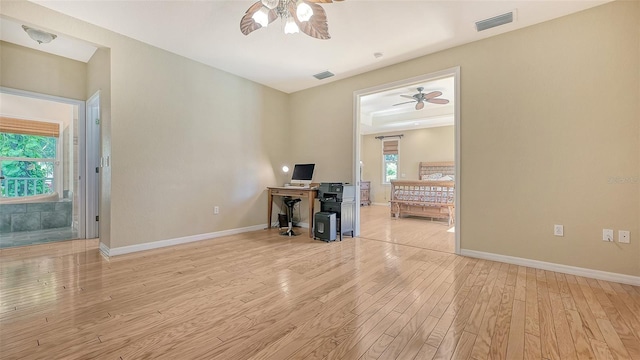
548	114
183	138
24	68
431	144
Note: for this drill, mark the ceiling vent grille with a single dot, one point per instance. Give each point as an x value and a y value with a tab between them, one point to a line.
494	21
323	75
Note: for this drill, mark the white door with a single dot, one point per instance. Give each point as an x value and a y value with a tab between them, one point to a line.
93	167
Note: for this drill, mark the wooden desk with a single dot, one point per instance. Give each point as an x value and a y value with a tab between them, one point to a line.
310	194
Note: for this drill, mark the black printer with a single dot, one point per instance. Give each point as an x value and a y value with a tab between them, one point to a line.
336	192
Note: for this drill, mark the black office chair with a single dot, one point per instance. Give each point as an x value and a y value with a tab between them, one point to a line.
289	203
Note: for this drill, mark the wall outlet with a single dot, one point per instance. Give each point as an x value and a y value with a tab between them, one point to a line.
607	235
624	236
558	230
216	210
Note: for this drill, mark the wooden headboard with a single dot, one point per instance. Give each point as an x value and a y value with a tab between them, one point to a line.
444	167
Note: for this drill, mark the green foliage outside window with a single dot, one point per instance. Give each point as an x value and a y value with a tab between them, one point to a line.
24	176
391	167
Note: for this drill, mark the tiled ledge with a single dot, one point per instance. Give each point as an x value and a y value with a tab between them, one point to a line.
35	216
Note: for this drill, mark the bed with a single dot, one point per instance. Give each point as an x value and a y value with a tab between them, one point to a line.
433	195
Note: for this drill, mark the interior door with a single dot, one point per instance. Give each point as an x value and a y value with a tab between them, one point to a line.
93	167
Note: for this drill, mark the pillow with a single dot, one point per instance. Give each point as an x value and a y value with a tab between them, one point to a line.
434	176
446	178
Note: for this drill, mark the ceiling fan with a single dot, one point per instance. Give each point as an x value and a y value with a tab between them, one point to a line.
420	98
299	15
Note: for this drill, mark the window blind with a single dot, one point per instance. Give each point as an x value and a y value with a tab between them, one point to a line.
390	147
28	127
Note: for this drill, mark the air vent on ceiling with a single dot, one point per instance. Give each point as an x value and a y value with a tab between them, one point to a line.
494	21
323	75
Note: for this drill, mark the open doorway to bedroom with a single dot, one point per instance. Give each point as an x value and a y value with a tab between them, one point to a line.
407	161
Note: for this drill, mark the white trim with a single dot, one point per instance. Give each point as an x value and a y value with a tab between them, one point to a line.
458	173
182	240
455	72
573	270
382	204
104	250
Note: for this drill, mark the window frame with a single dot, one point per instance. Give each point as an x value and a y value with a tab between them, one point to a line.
384	161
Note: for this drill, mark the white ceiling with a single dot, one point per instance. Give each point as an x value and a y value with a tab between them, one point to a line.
11	31
208	31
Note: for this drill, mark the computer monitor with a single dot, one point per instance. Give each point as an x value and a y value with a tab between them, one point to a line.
302	174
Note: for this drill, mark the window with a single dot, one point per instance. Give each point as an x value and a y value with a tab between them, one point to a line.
389	161
28	157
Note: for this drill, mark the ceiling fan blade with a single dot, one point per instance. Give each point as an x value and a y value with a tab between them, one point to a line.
316	26
248	25
438	101
408	102
408	96
433	94
419	105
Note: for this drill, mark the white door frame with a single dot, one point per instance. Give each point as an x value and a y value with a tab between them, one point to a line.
94	164
455	72
82	145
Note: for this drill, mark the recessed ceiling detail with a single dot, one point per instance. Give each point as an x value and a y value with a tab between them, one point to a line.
378	115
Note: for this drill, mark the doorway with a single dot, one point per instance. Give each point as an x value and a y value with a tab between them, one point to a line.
394	119
43	164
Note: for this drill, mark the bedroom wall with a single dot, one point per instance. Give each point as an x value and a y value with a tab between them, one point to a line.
183	138
549	115
431	144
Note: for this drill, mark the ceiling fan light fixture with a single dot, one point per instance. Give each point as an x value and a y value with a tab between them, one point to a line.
42	37
306	16
262	16
290	27
304	11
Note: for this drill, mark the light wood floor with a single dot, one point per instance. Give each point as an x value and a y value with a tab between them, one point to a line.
376	223
262	296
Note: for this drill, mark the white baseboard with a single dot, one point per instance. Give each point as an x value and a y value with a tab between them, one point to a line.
177	241
381	204
104	250
573	270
